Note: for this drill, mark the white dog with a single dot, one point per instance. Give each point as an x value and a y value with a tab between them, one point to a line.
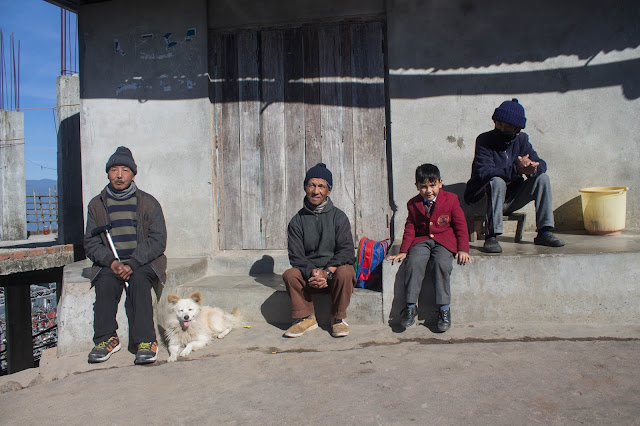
191	326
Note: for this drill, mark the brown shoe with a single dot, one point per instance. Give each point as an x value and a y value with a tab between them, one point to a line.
340	329
300	326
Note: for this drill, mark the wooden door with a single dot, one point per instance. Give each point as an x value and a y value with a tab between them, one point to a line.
284	100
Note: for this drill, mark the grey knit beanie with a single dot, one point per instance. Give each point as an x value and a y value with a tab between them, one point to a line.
510	112
122	157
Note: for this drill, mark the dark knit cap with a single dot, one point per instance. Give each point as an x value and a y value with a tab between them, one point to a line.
319	171
510	112
122	157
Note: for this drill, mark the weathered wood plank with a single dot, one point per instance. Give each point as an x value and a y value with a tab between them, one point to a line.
313	144
347	126
370	157
274	220
225	74
249	112
331	112
294	113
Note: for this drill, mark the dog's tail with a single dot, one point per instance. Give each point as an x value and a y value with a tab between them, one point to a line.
234	317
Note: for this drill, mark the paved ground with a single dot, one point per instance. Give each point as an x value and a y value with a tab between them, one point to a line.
475	373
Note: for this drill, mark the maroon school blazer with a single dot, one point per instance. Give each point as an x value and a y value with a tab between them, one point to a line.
447	224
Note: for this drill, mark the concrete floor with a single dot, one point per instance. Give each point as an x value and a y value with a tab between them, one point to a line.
474	374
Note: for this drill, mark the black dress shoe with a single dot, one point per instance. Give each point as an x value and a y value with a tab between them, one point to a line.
409	316
548	239
444	320
491	245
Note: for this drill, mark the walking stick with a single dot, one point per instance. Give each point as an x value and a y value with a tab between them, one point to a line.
105	229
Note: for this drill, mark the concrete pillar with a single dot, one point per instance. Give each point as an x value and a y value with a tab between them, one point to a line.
70	217
13	191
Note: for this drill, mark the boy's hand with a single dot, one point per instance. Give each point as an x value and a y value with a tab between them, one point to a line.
463	258
399	257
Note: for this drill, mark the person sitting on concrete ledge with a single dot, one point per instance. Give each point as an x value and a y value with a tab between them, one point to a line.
435	232
139	237
322	254
510	173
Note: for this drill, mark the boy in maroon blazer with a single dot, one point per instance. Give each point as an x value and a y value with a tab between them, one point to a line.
435	233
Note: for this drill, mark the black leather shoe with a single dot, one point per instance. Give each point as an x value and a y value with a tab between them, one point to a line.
409	316
444	320
491	245
548	239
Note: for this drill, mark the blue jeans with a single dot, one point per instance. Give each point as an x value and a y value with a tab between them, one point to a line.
506	199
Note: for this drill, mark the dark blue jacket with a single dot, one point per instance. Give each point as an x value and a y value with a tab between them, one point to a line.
495	157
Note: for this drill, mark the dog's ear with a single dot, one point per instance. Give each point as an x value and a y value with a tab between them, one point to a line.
173	298
196	297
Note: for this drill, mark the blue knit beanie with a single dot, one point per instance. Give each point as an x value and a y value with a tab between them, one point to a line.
122	157
319	171
510	112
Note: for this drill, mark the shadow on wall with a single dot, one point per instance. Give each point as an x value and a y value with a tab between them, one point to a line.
568	216
428	37
70	209
581	31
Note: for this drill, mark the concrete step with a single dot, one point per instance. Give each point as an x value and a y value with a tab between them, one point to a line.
75	308
264	298
591	280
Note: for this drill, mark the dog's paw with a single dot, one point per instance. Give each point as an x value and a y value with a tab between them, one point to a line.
224	333
185	352
173	357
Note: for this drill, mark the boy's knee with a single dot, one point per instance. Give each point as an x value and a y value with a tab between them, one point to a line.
441	264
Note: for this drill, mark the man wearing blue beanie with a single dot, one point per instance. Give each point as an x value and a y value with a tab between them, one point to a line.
322	254
510	173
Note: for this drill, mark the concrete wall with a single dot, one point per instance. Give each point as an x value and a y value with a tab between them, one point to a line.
573	65
144	85
249	13
13	192
70	229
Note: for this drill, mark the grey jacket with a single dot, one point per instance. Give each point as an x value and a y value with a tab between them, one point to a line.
320	240
151	239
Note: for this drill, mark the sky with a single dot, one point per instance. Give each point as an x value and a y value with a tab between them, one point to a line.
36	24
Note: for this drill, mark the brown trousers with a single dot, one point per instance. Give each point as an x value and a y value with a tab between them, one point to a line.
341	287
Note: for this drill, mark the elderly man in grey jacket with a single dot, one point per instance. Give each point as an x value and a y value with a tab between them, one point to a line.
139	237
322	254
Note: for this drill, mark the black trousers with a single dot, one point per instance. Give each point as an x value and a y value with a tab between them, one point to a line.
138	305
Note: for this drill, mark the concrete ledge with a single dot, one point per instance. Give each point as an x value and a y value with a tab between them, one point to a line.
75	309
18	260
568	285
264	298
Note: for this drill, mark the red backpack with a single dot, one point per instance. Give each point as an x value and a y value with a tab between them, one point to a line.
371	253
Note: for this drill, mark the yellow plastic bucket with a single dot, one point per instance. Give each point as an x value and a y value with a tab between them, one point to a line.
604	209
